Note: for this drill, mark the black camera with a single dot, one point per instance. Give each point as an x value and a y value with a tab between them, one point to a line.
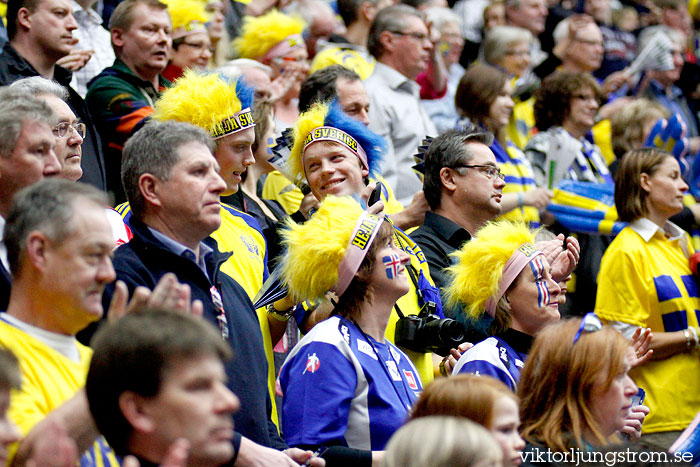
427	332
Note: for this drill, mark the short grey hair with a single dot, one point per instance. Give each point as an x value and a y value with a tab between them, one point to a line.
154	149
38	85
17	107
47	206
234	69
448	150
438	17
500	38
388	19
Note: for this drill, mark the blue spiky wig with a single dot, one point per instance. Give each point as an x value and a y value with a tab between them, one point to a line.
331	115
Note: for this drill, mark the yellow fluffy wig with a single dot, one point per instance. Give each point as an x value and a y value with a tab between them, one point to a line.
260	33
201	99
305	124
479	268
316	247
184	12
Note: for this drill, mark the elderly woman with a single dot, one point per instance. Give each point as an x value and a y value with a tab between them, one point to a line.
485	401
654	287
191	43
483	96
442	110
575	391
345	385
508	48
275	39
501	278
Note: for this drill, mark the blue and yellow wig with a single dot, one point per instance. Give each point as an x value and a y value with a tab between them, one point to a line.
331	115
206	100
260	33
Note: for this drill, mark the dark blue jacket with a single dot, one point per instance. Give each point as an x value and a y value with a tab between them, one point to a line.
144	260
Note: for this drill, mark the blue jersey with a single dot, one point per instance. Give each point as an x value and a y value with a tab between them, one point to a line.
493	357
341	387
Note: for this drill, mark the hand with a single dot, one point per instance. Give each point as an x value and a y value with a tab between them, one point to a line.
251	454
308	203
639	351
168	293
448	363
76	59
412	215
561	261
635	419
292	73
538	198
176	456
377	207
52	447
302	456
576	23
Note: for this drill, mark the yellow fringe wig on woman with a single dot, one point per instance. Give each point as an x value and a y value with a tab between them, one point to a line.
187	16
479	268
316	247
259	34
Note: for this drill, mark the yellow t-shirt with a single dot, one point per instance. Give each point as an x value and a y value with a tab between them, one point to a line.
650	284
48	380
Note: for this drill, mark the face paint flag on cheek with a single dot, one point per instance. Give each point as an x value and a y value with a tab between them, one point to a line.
391	265
537	267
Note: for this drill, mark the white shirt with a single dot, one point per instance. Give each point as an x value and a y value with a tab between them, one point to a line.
91	36
397	115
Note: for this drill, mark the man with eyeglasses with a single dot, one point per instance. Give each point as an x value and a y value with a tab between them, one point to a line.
41	34
398	39
463	186
69	132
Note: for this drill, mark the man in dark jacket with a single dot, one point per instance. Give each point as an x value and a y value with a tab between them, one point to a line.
40	33
171	180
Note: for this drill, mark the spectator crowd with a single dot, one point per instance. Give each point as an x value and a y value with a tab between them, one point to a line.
349	232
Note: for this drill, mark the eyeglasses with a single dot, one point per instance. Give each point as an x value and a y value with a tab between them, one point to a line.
589	323
489	170
61	130
521	53
584	97
416	35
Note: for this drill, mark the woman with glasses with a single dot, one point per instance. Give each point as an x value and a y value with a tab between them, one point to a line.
344	385
575	391
645	280
503	283
275	39
191	44
483	96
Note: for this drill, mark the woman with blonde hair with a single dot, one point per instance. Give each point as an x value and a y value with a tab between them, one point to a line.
442	441
481	399
574	389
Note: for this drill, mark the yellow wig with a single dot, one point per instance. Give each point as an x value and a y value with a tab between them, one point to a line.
260	33
199	98
480	262
185	12
316	247
305	124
